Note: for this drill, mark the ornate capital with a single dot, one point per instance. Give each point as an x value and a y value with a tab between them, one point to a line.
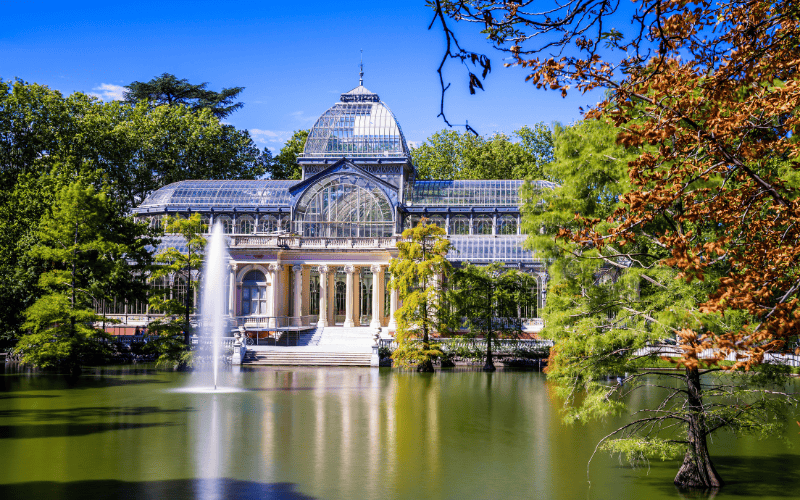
297	268
323	269
349	269
275	267
375	268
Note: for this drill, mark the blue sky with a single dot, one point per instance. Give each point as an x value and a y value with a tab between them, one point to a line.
293	58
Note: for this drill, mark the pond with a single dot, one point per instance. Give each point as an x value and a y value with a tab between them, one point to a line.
333	433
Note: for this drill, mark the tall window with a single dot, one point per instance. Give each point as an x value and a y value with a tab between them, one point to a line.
345	206
268	224
227	224
254	294
482	225
459	225
245	225
313	293
507	224
439	221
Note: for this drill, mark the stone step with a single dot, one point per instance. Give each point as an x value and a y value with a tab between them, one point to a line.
309	358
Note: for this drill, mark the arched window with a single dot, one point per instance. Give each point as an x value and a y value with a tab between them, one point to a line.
438	220
345	206
482	225
410	221
507	224
254	294
459	225
227	224
268	224
206	221
245	225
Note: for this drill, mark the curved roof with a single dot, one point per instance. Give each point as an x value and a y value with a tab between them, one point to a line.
469	193
209	194
360	125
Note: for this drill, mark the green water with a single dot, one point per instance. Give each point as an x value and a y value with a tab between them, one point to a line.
332	433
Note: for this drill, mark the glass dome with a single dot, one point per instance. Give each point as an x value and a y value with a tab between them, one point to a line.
360	125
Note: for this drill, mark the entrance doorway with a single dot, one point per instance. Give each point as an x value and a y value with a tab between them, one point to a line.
365	297
339	297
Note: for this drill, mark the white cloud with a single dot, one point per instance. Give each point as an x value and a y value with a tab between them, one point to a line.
109	92
301	117
270	136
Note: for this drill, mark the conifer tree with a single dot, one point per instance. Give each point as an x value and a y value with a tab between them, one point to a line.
87	249
419	273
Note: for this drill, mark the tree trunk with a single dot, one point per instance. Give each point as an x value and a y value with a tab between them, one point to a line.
697	470
489	365
426	364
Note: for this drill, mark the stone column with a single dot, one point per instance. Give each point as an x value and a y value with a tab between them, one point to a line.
393	310
377	291
348	307
232	290
274	270
298	294
323	296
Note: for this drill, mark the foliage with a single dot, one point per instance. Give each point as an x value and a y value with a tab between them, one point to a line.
284	165
168	89
483	294
88	249
419	273
708	92
450	155
174	330
127	150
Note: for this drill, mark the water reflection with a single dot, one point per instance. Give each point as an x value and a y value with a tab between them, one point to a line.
332	433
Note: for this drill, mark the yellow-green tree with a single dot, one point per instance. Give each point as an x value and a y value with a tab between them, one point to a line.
419	273
174	329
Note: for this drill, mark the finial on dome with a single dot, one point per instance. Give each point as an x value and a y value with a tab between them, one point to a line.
361	73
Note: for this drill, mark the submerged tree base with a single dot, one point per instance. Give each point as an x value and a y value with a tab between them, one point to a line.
698	473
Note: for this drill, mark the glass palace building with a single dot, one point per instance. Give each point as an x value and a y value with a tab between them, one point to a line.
315	252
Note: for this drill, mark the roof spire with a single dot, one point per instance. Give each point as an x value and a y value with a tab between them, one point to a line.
361	73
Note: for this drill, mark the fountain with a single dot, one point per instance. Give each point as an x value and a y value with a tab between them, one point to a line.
213	319
212	293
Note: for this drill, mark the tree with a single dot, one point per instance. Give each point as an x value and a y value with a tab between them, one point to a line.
168	90
712	90
491	299
147	148
284	165
177	305
87	246
419	273
127	150
450	155
608	304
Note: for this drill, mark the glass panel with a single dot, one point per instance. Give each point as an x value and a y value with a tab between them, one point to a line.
345	206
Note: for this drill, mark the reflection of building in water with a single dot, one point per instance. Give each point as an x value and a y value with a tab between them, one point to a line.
316	251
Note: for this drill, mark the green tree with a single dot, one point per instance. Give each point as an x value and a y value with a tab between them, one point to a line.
127	150
145	148
168	89
608	304
87	247
448	154
175	328
419	273
284	165
490	298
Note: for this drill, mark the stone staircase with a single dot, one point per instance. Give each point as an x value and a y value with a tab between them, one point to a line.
359	337
307	358
331	346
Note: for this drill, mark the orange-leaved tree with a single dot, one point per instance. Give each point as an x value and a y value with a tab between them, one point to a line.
709	93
